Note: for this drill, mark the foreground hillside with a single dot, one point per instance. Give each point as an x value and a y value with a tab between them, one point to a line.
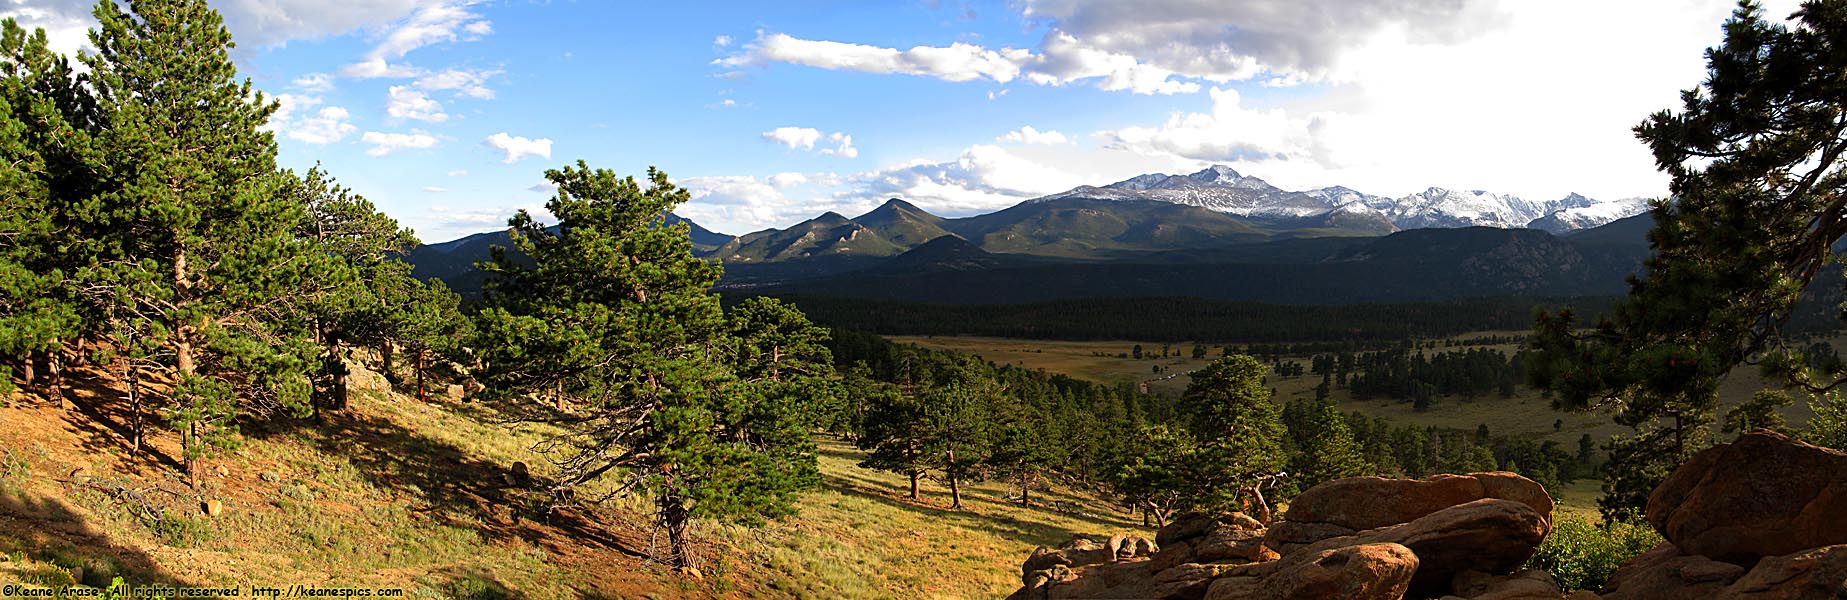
401	494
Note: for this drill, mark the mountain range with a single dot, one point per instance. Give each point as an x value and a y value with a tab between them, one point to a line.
1214	234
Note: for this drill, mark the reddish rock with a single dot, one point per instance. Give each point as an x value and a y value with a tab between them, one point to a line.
1288	536
1666	573
1363	572
1819	573
1762	495
1191	525
1229	542
1177	553
1531	584
1361	503
1489	535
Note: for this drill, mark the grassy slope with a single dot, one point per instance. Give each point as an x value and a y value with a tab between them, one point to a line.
404	494
1526	413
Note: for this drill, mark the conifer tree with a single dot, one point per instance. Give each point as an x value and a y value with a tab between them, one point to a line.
46	117
1327	451
895	435
614	321
1758	203
1240	433
196	241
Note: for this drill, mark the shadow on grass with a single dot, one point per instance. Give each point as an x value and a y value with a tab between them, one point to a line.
51	530
107	419
456	487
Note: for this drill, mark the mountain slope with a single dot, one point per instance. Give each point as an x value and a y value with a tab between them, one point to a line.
903	224
827	235
1091	228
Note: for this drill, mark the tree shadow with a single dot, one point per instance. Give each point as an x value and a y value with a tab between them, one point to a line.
1020	530
51	530
107	420
458	488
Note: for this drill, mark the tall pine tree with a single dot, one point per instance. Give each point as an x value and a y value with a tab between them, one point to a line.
196	240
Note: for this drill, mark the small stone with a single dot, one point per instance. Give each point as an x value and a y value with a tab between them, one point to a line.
213	508
269	476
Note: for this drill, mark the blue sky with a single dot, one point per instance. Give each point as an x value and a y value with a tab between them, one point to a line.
446	113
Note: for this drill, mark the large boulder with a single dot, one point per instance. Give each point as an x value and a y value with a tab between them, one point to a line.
1666	573
1193	525
1488	535
1530	584
1361	503
1816	573
1762	495
1231	542
1364	572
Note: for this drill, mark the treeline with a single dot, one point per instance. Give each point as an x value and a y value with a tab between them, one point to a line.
948	416
1422	378
1180	319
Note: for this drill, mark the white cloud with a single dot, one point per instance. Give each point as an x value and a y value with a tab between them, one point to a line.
794	137
845	148
430	189
467	82
374	68
458	173
386	143
955	62
327	126
721	41
406	103
430	24
314	83
788	179
1028	135
805	138
519	148
543	187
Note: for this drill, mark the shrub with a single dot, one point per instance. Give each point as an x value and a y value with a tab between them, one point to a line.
1583	556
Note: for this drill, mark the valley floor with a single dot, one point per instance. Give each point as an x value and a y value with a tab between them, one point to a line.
402	494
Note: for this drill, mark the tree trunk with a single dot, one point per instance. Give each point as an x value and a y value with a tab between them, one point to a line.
914	495
54	380
955	486
1026	487
339	380
422	396
679	545
26	372
384	362
134	403
190	440
910	456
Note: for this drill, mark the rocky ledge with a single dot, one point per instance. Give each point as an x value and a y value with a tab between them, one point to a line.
1764	517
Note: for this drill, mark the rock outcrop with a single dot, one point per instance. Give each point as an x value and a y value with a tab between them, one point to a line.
1346	506
1492	527
1762	495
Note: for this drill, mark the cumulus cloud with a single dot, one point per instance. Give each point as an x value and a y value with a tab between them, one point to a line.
466	82
431	189
519	148
314	83
327	126
430	24
387	143
805	138
375	68
794	137
405	103
1028	135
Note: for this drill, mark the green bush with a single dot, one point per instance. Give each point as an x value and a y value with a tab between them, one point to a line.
182	531
1583	556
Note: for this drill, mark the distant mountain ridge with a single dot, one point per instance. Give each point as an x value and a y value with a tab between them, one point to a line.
1223	189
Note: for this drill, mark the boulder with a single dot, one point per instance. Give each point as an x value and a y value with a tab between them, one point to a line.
1762	495
1488	535
1363	572
1361	503
1666	573
1815	573
1190	525
1287	536
1231	542
1531	584
1178	553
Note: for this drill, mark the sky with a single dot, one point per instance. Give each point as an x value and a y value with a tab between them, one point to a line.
447	113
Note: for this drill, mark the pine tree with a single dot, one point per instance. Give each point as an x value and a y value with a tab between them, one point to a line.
614	320
1754	153
1241	447
1328	451
894	434
46	118
194	234
958	420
